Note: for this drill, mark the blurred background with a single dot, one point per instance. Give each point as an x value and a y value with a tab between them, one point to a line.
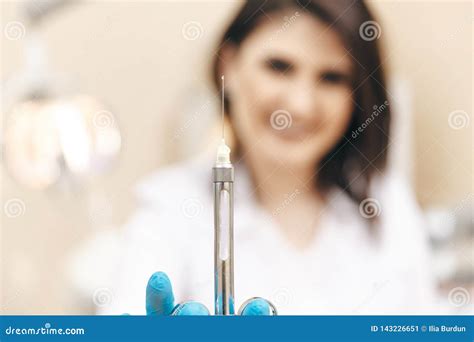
97	94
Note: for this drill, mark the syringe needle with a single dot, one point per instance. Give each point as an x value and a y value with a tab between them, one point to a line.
222	105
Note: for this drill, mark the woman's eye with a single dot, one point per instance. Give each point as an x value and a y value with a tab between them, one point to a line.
278	65
334	77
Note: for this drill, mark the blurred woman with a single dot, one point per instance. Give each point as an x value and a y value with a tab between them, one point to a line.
321	225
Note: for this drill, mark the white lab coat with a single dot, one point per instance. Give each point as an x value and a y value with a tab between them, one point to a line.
344	271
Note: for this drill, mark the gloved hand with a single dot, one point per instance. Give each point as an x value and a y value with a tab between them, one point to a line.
160	301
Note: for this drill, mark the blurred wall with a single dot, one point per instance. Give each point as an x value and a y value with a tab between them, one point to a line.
134	58
429	44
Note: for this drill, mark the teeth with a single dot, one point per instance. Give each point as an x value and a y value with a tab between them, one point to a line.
299	128
297	131
291	132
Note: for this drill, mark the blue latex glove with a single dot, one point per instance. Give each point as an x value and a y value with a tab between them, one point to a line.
160	301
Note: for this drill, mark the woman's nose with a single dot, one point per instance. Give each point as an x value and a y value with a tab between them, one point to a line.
301	101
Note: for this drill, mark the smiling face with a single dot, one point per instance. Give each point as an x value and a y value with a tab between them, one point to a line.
289	84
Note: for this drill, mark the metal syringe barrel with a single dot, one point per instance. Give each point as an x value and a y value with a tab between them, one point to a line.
223	178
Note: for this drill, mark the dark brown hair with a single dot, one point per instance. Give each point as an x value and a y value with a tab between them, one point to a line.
362	151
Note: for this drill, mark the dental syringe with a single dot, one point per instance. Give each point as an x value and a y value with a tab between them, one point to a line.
223	178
